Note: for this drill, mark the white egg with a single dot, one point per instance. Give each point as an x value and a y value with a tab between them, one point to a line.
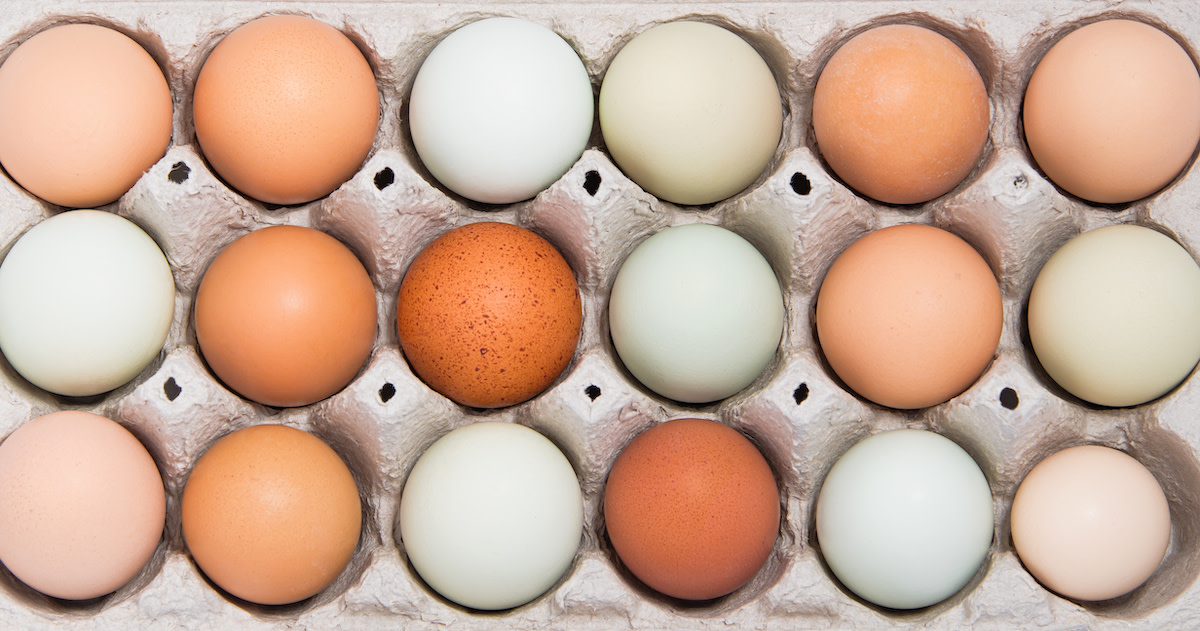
500	109
696	313
86	300
1113	315
904	518
491	515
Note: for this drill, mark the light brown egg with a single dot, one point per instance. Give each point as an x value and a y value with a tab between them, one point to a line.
1112	112
84	112
489	314
286	316
286	109
901	114
909	316
271	514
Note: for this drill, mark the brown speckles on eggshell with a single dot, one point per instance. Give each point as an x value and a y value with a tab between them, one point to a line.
480	316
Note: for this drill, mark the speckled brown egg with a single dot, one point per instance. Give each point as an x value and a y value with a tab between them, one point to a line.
489	314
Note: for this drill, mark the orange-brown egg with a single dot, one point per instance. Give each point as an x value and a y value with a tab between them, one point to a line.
286	315
909	316
286	109
271	514
900	113
692	508
489	314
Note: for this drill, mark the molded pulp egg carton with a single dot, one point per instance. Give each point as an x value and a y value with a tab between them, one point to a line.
798	214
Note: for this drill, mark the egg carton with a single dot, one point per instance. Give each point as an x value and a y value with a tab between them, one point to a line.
798	214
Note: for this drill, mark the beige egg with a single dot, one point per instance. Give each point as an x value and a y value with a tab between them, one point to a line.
1091	522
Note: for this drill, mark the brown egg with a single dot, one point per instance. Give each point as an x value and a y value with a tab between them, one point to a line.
84	112
271	514
900	113
286	315
286	109
909	316
1112	112
692	508
489	314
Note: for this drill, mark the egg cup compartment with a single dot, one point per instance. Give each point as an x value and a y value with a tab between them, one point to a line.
767	428
346	436
1165	454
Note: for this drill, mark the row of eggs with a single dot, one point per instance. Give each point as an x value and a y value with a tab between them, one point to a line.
286	109
491	515
907	317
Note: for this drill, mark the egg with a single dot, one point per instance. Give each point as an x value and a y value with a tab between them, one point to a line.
271	514
286	109
904	518
690	112
900	114
1091	522
1112	315
489	314
86	302
696	313
84	112
491	515
285	315
500	109
83	505
692	508
909	316
1112	111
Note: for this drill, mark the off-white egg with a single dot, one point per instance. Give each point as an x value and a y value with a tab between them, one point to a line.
1113	315
491	515
696	313
86	300
500	110
904	518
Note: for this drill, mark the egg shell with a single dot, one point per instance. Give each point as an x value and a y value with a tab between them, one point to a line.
84	506
696	313
286	109
271	514
84	112
489	314
285	315
909	316
692	509
904	518
113	322
690	112
900	113
1088	498
1112	315
500	109
1112	111
491	515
